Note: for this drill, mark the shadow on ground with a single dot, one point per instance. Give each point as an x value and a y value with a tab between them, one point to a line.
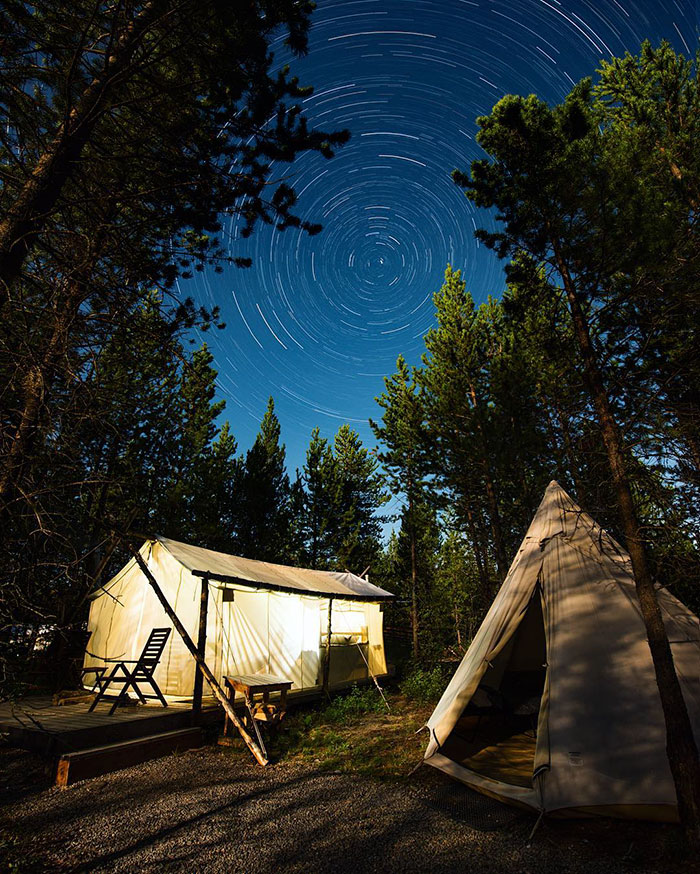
208	810
22	775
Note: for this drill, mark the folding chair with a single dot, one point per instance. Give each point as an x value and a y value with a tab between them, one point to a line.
142	672
98	671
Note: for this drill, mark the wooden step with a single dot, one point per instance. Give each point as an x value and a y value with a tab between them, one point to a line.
95	761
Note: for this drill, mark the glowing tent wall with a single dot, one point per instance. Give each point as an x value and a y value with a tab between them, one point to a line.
257	631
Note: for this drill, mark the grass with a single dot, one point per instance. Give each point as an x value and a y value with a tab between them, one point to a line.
354	733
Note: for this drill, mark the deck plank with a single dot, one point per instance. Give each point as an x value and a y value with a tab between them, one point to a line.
36	724
113	757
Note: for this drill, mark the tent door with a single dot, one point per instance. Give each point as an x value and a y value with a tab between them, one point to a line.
496	734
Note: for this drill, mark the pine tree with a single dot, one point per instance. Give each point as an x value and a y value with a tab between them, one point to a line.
192	465
459	410
318	480
357	491
264	496
404	434
214	499
296	548
575	191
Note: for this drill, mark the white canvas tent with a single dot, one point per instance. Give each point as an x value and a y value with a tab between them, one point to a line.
565	632
262	617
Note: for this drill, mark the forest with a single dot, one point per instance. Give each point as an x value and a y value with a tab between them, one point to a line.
584	370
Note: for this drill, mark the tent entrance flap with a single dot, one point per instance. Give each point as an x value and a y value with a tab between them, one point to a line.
496	734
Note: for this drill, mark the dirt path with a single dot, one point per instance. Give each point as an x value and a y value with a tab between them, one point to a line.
211	810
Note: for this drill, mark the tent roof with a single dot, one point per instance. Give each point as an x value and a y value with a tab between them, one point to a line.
262	574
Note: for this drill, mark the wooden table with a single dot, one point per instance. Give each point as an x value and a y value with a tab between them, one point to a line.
250	685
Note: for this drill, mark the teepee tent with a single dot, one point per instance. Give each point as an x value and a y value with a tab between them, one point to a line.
555	705
262	618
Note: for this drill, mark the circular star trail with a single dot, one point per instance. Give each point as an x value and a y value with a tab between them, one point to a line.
317	322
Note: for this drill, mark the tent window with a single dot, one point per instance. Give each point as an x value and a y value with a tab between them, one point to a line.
349	627
349	642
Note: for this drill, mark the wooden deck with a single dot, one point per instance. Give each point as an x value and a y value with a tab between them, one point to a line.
36	724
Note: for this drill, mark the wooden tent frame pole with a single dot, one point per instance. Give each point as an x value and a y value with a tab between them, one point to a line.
201	649
201	664
327	659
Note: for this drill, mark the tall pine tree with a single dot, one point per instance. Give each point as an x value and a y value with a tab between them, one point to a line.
404	434
263	500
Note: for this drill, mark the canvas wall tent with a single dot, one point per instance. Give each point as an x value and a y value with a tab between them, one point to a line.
262	617
565	632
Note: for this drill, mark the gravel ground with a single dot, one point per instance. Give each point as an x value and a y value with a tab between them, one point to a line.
213	810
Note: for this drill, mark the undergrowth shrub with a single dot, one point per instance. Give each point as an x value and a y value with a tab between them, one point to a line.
356	703
424	686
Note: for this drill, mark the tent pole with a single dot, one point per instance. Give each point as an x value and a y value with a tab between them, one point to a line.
201	649
376	682
535	827
201	664
327	659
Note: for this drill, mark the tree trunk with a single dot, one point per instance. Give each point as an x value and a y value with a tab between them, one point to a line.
34	389
458	631
327	655
68	298
569	450
478	555
414	580
681	748
495	519
14	461
494	515
26	218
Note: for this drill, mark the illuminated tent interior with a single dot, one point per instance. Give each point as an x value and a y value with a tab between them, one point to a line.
262	617
555	705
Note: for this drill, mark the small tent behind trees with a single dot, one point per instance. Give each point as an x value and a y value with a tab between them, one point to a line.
555	705
262	617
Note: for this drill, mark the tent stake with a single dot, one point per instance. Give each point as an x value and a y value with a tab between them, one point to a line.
201	664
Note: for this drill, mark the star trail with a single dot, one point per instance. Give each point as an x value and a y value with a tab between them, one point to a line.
316	322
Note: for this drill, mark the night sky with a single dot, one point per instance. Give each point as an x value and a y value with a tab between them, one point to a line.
318	321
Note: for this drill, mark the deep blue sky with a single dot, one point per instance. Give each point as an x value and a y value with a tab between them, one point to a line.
318	321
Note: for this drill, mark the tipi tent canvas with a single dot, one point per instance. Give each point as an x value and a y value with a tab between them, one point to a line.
262	617
555	705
